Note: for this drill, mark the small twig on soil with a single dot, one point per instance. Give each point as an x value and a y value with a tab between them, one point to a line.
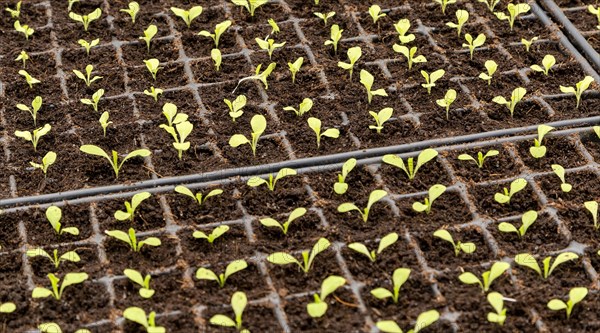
345	303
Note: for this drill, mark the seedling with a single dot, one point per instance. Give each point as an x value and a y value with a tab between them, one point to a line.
153	66
579	88
131	239
576	295
47	161
180	133
54	327
104	122
258	124
526	221
274	27
491	66
71	256
14	13
325	17
257	181
456	245
547	62
462	16
70	4
133	8
8	307
199	198
591	9
409	168
272	223
527	260
447	101
473	44
528	43
402	28
380	118
149	33
497	269
434	192
318	308
29	79
592	207
172	116
282	258
295	67
23	56
340	187
269	45
303	108
335	36
114	159
384	243
86	19
513	12
56	292
87	78
250	5
144	282
375	13
375	196
235	107
496	300
95	99
515	186
480	157
238	299
399	277
233	267
262	77
367	80
560	172
24	29
213	235
409	54
354	53
430	79
539	151
423	320
130	207
153	92
138	315
88	45
516	96
315	125
491	4
444	4
36	104
187	15
34	136
219	30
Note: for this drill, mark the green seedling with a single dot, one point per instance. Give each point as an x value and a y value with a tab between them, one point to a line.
153	92
250	5
516	96
144	282
239	301
380	118
104	122
88	45
24	29
591	9
462	16
579	88
272	223
14	13
235	107
295	67
257	181
219	30
8	307
133	8
384	243
138	315
335	36
318	308
269	45
480	157
424	320
47	161
560	172
375	13
527	43
325	16
410	168
340	187
187	15
54	327
472	44
497	269
576	295
597	131
430	79
526	221
375	196
456	245
262	77
399	277
274	27
172	116
367	80
410	55
515	186
496	300
491	66
153	66
447	101
149	33
36	105
214	234
491	4
315	125
23	57
70	4
592	207
34	136
87	77
71	256
130	238
29	79
56	291
282	258
86	19
258	124
94	100
130	207
114	159
527	260
233	267
199	198
444	4
434	192
513	12
547	62
539	151
354	53
180	133
303	108
402	27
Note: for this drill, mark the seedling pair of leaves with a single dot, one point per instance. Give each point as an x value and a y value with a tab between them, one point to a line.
514	10
114	159
56	291
47	161
480	157
262	77
35	135
380	118
303	108
462	16
434	192
491	66
130	238
576	295
235	107
354	53
384	243
457	246
447	101
36	105
592	207
220	29
149	33
496	300
199	198
399	277
269	45
548	62
515	186
325	16
424	320
538	150
250	5
54	215
472	44
367	80
318	308
213	235
85	20
29	79
88	45
497	269
56	260
133	8
188	15
340	187
272	223
375	196
178	126
527	220
410	168
579	88
308	257
315	125
152	65
94	100
239	301
130	207
143	281
560	172
409	54
529	261
138	315
87	77
257	181
402	27
375	13
295	67
26	30
430	79
335	36
233	267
